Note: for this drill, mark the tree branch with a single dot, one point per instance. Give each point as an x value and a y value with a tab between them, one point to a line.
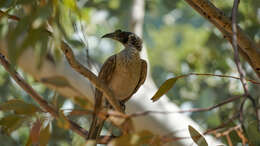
81	69
244	44
215	16
91	76
239	66
189	110
38	98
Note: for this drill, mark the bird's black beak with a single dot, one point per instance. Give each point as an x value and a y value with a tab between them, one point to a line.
109	35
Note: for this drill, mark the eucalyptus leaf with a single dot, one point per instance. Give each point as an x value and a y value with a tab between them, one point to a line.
197	137
10	123
165	87
19	106
58	81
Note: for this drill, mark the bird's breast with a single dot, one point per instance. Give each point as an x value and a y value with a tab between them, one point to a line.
126	76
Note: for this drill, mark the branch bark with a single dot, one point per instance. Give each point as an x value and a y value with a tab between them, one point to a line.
239	66
81	69
248	48
39	99
91	76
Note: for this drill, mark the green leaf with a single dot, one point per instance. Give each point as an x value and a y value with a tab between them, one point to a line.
197	137
57	81
11	122
165	87
14	45
19	106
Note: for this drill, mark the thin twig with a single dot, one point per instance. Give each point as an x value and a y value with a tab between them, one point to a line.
168	138
227	132
189	110
248	46
227	35
234	44
217	17
223	76
38	98
241	115
82	70
209	131
137	114
229	140
239	66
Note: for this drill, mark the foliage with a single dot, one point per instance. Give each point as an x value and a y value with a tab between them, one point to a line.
178	41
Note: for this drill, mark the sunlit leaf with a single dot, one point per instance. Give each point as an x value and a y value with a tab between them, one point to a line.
19	106
197	137
11	122
165	87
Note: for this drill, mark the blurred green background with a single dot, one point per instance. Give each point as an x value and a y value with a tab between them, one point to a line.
178	41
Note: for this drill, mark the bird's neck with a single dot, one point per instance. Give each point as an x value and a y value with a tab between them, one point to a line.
129	53
130	50
132	46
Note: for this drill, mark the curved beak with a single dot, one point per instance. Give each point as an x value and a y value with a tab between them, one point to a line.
109	35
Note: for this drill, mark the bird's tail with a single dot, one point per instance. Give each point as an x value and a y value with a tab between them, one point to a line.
95	128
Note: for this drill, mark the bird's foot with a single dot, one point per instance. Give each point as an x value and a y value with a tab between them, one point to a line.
122	105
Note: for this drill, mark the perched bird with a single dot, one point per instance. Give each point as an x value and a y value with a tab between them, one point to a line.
123	72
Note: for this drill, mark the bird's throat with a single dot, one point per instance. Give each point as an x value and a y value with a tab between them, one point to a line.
129	55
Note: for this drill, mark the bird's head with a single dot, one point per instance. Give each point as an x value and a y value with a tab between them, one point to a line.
126	38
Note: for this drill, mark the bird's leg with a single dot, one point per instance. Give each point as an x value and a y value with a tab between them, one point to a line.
122	104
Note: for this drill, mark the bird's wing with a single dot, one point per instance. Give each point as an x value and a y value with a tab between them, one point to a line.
105	75
107	69
141	79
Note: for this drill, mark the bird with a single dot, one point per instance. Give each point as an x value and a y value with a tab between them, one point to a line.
123	73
